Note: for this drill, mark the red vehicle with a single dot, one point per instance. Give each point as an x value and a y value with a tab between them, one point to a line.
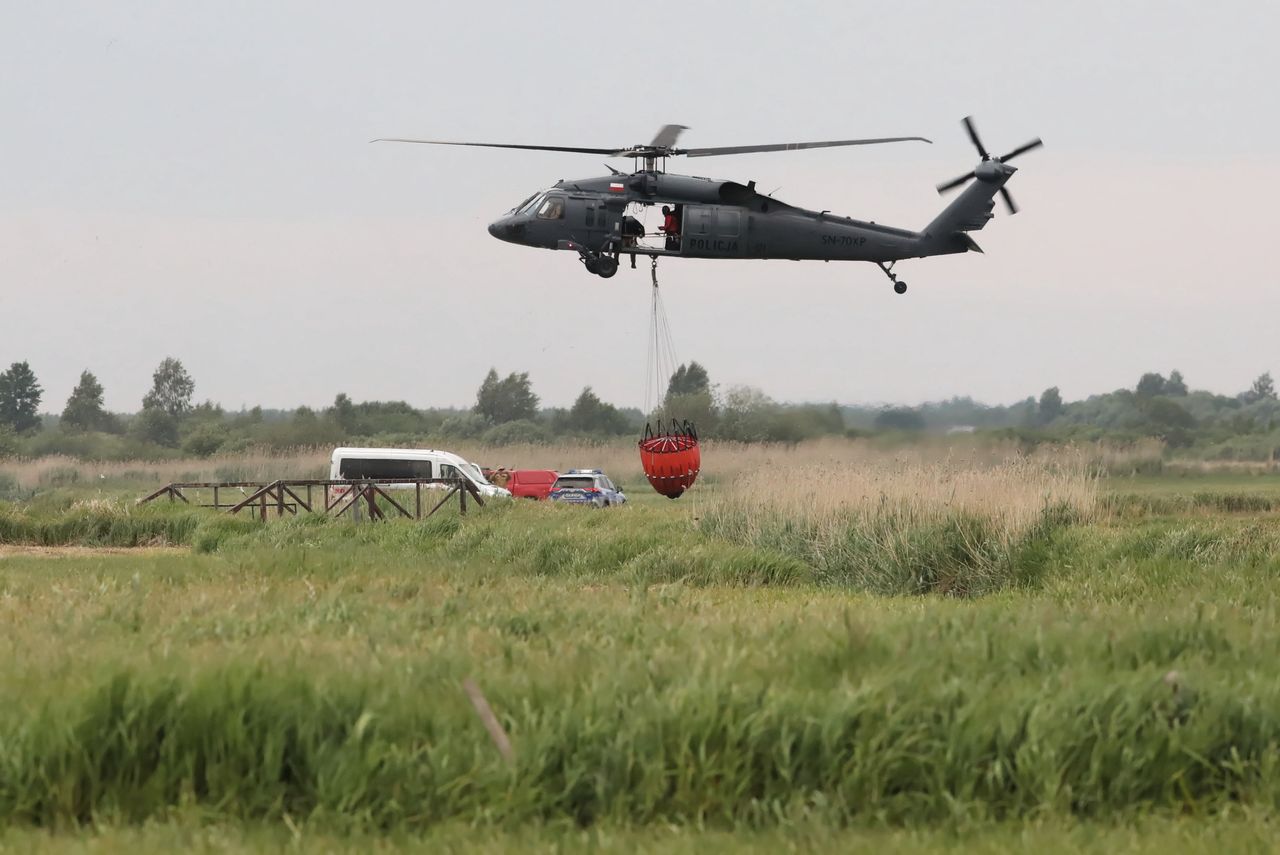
531	483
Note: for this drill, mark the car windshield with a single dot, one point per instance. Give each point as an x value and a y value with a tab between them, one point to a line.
476	475
575	482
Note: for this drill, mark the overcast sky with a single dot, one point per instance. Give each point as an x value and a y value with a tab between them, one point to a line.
195	180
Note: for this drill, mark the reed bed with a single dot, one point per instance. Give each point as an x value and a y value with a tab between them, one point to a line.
959	527
722	461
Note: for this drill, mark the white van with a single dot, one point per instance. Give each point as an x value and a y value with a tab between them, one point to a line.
346	464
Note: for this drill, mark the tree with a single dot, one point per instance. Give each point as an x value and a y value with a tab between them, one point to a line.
20	398
899	418
688	379
507	400
689	398
1169	420
1150	385
748	415
8	446
488	394
591	415
1263	388
1050	405
84	408
156	426
344	413
171	389
1175	386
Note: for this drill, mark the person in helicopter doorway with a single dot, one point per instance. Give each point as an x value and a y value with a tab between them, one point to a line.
632	231
671	226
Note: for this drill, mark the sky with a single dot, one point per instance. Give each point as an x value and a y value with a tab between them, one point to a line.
196	180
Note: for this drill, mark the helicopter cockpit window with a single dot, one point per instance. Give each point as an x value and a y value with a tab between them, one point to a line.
552	209
525	204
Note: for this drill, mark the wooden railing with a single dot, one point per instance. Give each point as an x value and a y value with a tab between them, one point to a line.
337	497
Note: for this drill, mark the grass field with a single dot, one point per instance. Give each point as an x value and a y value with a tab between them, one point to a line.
931	652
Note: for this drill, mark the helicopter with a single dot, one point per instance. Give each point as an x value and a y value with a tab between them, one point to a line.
601	219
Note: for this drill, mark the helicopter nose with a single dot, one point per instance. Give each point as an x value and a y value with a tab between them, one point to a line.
503	228
510	229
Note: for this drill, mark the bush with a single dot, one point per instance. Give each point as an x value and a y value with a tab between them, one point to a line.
464	426
153	425
205	441
8	442
9	488
514	433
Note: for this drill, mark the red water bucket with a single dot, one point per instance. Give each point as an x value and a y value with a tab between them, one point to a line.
671	459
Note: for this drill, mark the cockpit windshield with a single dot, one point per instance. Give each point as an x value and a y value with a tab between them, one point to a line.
530	204
525	204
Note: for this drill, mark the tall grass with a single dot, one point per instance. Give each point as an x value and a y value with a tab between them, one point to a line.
102	523
59	471
961	527
722	461
967	721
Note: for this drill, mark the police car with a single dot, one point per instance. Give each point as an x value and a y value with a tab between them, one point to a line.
586	487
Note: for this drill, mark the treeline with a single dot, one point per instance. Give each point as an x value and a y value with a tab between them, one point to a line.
507	410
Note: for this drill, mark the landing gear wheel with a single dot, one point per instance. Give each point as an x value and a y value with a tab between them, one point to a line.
899	287
592	265
606	266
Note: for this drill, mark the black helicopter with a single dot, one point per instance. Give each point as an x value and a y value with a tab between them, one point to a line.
602	219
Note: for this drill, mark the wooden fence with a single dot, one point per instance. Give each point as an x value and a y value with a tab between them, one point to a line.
336	497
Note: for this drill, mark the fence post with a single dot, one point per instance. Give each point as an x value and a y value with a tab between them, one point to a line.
462	499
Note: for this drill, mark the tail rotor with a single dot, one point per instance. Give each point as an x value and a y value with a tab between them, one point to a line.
986	159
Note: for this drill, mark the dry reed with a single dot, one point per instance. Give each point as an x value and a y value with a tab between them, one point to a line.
899	526
722	461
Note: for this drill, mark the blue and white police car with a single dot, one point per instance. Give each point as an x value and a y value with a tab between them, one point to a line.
586	487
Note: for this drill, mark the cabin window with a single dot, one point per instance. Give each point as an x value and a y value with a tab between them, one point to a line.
449	471
552	209
372	467
729	223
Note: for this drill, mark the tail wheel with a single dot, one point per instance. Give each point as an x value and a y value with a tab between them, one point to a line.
900	287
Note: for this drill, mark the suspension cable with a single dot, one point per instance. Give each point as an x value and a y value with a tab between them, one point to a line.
661	360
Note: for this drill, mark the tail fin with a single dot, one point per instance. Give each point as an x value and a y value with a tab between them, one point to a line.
968	212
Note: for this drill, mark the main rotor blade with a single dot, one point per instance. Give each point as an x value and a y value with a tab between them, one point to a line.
667	136
1008	200
750	149
973	135
1022	149
605	151
943	188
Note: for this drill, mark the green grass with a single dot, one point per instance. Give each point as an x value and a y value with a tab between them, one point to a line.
1154	834
1188	483
259	684
665	686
